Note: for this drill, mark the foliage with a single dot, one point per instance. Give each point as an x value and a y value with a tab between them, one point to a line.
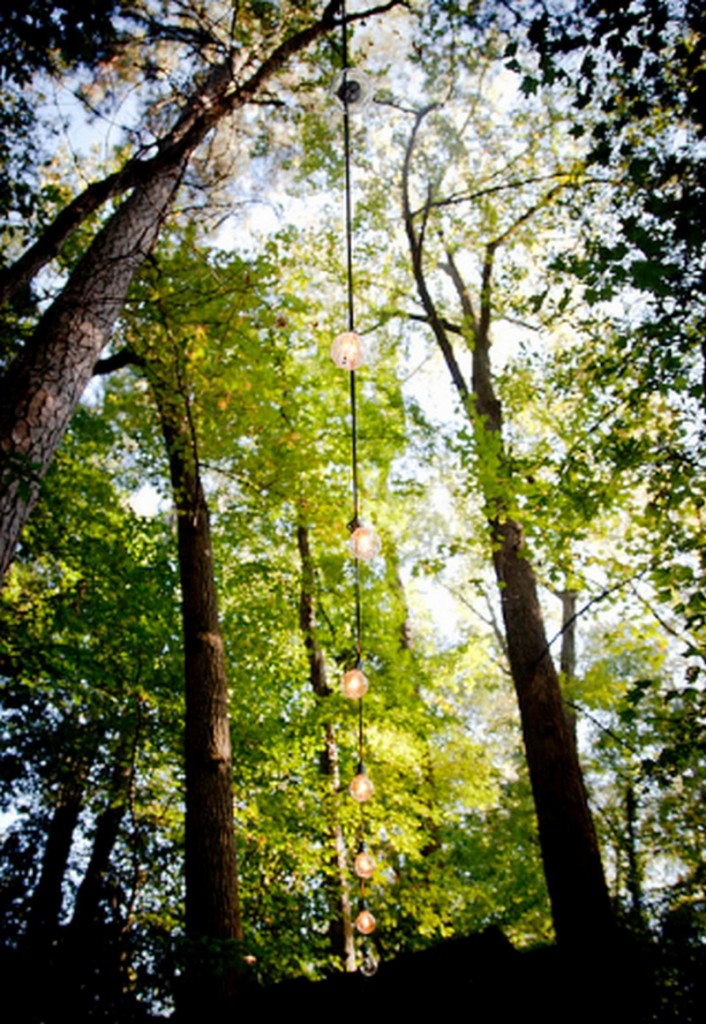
90	660
567	163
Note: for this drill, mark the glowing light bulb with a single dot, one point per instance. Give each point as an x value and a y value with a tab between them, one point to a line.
364	543
365	922
361	788
347	351
354	684
364	865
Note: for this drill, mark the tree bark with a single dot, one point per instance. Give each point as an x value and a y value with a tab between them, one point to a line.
42	388
581	907
210	865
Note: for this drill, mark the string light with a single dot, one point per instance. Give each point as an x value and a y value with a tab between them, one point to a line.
348	351
361	788
364	543
354	684
352	92
365	922
364	865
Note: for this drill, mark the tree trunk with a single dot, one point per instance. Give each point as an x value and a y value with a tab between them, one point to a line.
636	913
212	903
45	908
567	658
87	916
42	388
567	655
580	904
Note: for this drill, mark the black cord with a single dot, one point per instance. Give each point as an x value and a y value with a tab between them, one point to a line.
346	93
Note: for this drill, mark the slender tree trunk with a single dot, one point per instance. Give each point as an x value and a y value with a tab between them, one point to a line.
406	637
341	932
342	940
87	914
96	956
634	879
43	943
45	907
212	902
567	656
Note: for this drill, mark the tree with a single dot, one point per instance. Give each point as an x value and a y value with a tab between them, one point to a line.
256	433
580	905
42	386
213	921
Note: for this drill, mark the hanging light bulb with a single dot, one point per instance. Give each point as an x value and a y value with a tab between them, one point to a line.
361	788
364	543
348	351
365	922
364	865
354	684
369	964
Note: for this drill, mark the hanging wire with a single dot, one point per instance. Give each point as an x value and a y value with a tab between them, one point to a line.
347	92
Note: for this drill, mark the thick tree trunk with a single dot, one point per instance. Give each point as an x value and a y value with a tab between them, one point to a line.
212	907
580	904
41	390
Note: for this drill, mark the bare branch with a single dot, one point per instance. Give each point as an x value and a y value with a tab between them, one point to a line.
451	268
125	357
416	240
606	592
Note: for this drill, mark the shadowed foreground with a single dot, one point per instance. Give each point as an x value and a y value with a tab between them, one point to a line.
479	978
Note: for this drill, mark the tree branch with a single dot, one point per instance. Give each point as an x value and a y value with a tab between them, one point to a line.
452	270
216	96
125	357
416	241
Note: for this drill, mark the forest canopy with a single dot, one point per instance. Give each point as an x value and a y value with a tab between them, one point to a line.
181	466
